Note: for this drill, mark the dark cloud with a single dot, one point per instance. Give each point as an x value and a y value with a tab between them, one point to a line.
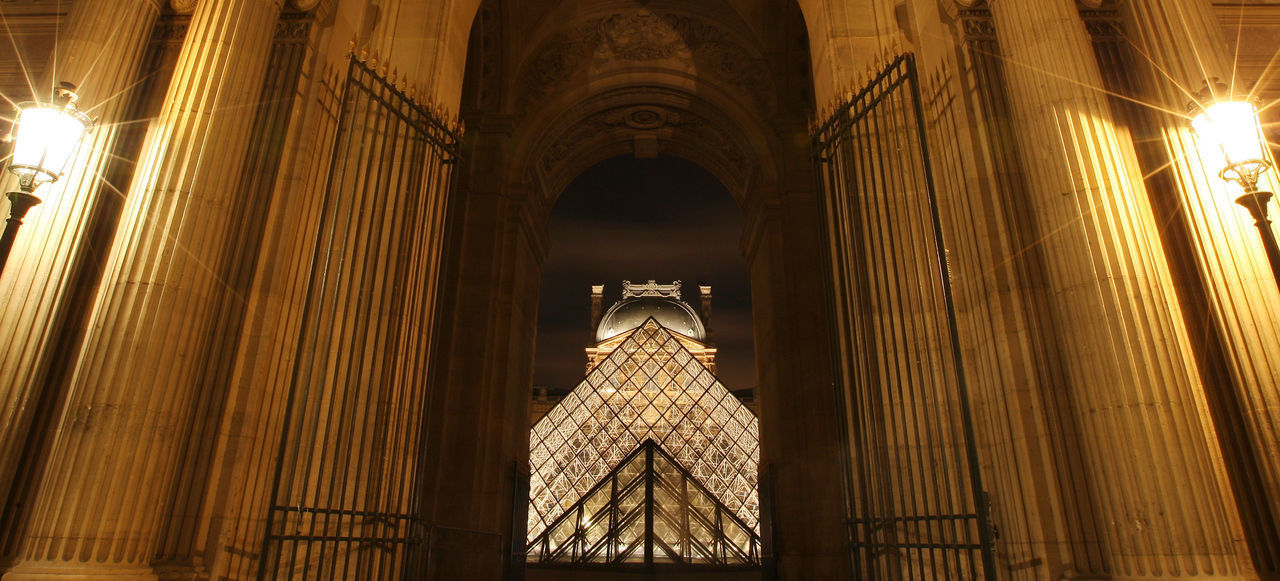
664	219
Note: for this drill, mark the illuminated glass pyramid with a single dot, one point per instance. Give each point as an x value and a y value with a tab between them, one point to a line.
649	388
648	510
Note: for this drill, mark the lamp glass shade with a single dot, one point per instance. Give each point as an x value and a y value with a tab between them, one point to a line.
44	139
1231	140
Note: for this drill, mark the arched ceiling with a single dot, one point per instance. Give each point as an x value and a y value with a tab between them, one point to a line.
584	80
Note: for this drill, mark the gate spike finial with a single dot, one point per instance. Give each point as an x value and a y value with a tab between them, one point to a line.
351	48
364	54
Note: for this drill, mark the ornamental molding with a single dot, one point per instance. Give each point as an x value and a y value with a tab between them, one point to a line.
1101	18
626	122
645	36
1103	24
172	29
641	35
650	289
295	26
977	24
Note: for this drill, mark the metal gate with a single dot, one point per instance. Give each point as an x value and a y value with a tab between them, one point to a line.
916	506
346	501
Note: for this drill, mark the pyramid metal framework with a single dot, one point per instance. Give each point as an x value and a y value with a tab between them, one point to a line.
649	388
648	510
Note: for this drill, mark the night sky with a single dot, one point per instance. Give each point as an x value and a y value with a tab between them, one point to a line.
638	219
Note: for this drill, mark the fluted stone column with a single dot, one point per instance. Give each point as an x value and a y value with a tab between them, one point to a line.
109	476
1128	374
1184	40
101	50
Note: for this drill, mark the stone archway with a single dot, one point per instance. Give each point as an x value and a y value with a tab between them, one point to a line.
555	88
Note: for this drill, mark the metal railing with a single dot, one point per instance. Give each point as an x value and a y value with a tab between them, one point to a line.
346	501
916	504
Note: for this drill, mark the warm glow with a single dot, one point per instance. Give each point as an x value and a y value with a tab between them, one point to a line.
1231	140
44	139
663	393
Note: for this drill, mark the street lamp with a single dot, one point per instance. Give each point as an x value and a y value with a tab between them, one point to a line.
44	137
1231	134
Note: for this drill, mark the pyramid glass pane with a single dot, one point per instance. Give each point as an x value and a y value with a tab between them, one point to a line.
649	388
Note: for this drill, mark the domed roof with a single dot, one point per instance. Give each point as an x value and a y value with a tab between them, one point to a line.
630	313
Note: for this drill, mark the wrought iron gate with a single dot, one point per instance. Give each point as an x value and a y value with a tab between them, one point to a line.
916	505
346	492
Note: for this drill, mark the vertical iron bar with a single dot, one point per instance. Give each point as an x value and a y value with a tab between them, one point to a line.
648	505
614	533
291	399
893	330
880	495
685	507
362	237
830	165
824	167
928	462
896	300
971	448
363	500
441	252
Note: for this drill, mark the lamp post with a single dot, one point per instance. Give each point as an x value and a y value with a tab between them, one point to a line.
44	136
1230	132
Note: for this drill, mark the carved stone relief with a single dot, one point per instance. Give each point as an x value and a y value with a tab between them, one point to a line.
668	125
640	35
644	35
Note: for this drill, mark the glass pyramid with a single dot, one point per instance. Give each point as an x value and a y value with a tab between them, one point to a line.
649	388
648	510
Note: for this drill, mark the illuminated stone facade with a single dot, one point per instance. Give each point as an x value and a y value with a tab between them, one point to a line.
241	268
